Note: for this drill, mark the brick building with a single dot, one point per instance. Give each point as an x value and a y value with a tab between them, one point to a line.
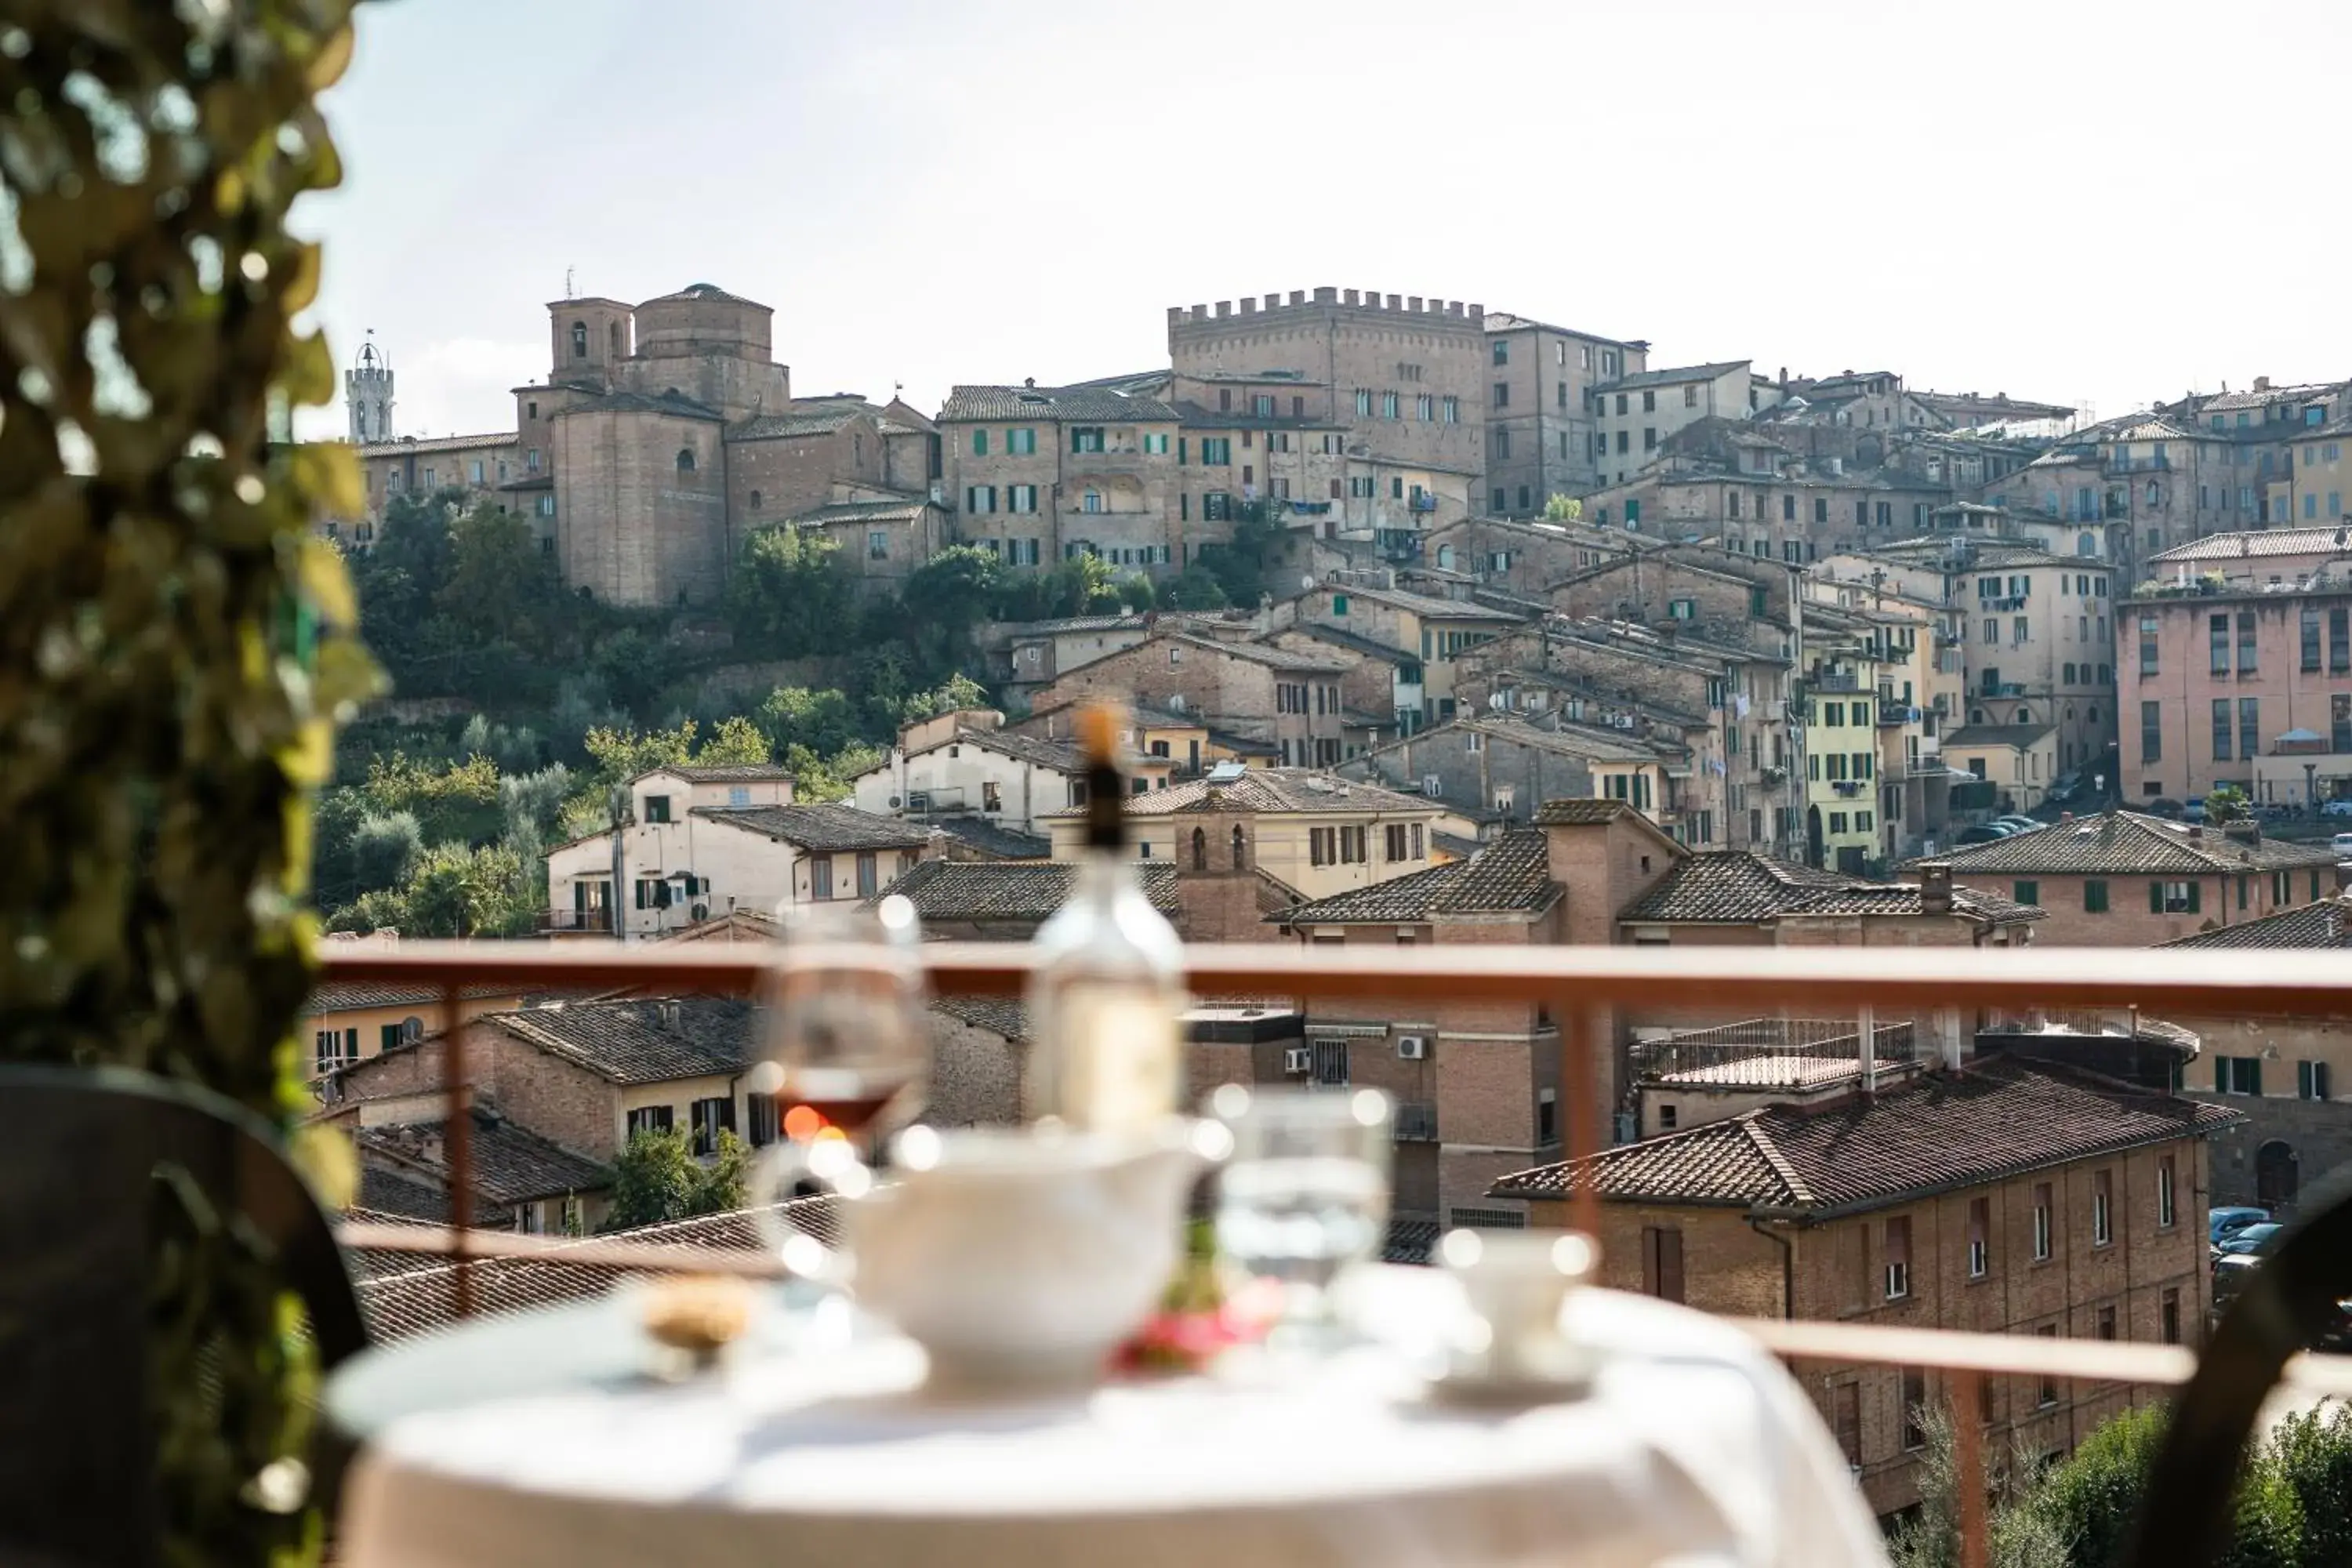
1524	558
2282	1074
1501	768
1246	689
520	1181
2122	880
1435	632
2007	1196
1634	413
1540	419
2250	686
1040	475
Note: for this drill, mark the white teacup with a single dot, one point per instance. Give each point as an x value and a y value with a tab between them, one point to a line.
1013	1258
1517	1284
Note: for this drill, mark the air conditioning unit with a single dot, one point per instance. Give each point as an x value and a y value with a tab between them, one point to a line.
701	912
1413	1047
1297	1059
895	802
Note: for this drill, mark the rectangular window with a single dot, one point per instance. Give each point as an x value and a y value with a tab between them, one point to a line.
2217	641
2169	1316
2048	1391
2310	638
1915	1409
1450	410
2311	1080
1662	1262
1156	444
980	443
2339	640
2094	896
657	808
2027	892
1388	403
2151	732
820	876
1217	450
1502	394
2246	642
2166	1209
2173	898
2106	1322
651	1119
2102	1207
1980	1238
877	545
1023	442
2238	1075
1898	1259
2250	727
1845	1420
710	1118
2041	1222
1085	438
2221	729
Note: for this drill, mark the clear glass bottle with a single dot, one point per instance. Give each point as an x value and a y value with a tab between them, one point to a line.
1106	997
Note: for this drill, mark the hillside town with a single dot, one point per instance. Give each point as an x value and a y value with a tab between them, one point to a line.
1550	644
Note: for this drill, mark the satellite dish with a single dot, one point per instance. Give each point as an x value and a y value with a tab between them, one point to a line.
1307	582
1494	701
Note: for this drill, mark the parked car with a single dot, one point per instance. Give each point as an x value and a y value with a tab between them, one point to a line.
1985	833
2335	808
2193	810
2021	823
2229	1219
2341	845
2249	1241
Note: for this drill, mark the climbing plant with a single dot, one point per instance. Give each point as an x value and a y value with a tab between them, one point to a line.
173	647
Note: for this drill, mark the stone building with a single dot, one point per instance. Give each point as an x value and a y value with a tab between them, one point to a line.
1541	421
1524	558
1499	767
2280	1074
1251	690
1633	414
1041	475
1435	632
2250	686
2007	1195
2261	558
1403	379
2122	880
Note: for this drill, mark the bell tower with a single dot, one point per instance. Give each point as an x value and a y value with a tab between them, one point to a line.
367	393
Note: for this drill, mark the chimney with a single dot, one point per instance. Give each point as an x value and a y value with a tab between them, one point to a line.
1935	887
665	1011
1030	382
2262	383
2196	833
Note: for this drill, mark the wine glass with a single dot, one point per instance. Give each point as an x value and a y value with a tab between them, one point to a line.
847	1040
1304	1195
847	1054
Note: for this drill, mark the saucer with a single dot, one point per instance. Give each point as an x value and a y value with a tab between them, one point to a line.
1556	1374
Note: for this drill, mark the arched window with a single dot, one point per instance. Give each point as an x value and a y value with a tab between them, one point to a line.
579	340
755	501
2152	492
613	336
1241	850
1199	849
686	459
1445	558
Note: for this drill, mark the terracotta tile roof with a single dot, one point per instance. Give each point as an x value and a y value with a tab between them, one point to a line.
788	427
400	1301
908	510
1068	403
342	995
994	841
1511	875
405	445
640	1039
1581	811
1671	376
722	772
512	1164
396	1197
1423	606
2256	544
1727	885
2125	842
1263	653
823	829
2328	923
703	291
674	404
997	1014
1059	755
1273	790
1998	1118
1740	886
1010	889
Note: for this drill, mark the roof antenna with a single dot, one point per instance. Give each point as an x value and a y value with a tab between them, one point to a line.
568	292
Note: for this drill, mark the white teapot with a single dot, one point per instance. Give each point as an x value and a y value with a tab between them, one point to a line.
1017	1258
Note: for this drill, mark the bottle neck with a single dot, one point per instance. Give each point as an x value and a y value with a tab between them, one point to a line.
1103	875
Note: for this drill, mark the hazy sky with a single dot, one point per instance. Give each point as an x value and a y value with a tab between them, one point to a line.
2066	200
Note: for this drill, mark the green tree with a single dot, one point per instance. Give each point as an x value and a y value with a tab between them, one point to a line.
501	589
944	600
657	1179
1193	589
384	850
1563	508
2226	803
952	695
789	595
794	716
2313	1449
2091	1499
736	743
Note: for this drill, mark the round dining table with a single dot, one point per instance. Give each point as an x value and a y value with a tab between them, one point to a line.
557	1438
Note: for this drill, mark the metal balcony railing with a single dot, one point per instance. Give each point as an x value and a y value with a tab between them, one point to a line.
1580	985
590	922
1416	1122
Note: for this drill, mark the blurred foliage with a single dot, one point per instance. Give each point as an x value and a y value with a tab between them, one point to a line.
657	1179
174	642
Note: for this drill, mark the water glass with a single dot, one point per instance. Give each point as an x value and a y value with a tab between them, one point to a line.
848	1044
1304	1193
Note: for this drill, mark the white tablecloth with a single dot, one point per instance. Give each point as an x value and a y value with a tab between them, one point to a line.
1694	1448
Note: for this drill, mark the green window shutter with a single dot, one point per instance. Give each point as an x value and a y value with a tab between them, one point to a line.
2221	1075
2254	1066
2303	1079
2154	897
390	1036
2196	892
980	443
2027	892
